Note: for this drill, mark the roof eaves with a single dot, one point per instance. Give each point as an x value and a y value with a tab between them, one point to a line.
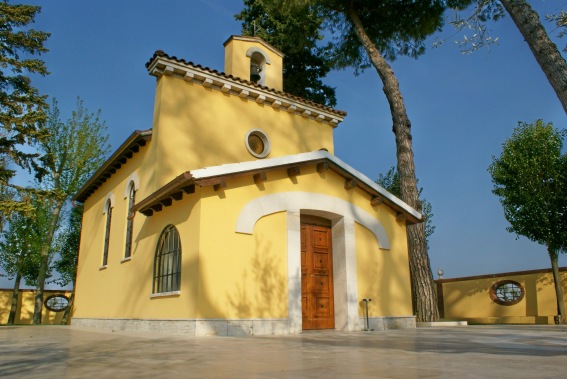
130	146
310	157
162	64
215	176
164	196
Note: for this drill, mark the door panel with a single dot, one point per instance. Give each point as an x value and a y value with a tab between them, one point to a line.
317	277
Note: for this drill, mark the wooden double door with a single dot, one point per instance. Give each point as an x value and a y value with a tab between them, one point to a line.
317	276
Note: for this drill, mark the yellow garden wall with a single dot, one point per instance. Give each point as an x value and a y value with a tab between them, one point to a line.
24	314
469	298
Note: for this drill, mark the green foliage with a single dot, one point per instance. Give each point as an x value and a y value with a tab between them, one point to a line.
391	182
396	27
530	179
295	32
474	25
22	109
20	249
560	20
76	148
66	264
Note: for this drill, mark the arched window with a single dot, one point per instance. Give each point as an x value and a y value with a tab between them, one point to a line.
108	209
130	220
167	263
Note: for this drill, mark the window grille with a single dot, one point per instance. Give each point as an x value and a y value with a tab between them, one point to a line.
107	233
130	221
56	303
507	292
167	263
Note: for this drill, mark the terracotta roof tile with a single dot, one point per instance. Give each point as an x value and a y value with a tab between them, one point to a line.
162	54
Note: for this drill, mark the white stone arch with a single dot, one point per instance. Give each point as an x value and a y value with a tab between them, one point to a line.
258	59
254	49
109	197
285	201
343	215
133	179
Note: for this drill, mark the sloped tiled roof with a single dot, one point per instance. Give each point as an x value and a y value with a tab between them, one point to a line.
126	151
159	62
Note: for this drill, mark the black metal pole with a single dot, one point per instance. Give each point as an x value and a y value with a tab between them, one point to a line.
367	326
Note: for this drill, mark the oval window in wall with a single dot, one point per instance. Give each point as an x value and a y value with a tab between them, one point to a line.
56	303
257	143
507	292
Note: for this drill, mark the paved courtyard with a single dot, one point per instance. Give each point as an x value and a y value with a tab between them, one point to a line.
438	352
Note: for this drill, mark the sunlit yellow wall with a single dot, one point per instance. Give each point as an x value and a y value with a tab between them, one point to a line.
237	64
383	275
470	299
230	275
199	127
124	287
252	279
241	276
116	286
24	313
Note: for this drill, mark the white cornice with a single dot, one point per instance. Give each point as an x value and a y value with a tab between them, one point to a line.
262	164
166	66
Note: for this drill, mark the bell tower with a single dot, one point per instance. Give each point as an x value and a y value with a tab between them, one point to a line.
253	59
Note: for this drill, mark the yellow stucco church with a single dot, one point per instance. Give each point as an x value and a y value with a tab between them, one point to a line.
233	216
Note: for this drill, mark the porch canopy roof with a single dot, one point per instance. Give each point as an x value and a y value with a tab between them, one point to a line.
217	176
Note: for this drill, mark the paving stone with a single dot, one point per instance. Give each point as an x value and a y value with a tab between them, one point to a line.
446	352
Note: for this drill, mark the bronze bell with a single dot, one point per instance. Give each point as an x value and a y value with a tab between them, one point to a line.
255	70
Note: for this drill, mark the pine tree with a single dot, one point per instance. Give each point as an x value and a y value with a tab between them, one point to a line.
295	32
368	33
22	108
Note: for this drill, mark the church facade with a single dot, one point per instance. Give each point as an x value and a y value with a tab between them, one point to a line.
233	216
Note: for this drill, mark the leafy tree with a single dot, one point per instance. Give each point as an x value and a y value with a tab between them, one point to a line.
295	32
22	109
66	265
368	33
391	182
530	179
20	250
528	23
560	21
77	148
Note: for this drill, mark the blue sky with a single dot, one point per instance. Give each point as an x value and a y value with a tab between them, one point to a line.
462	107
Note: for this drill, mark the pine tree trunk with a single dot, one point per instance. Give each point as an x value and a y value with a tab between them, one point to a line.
44	264
15	298
545	51
558	288
423	288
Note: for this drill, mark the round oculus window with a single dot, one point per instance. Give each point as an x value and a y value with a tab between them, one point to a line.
57	303
507	292
257	143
